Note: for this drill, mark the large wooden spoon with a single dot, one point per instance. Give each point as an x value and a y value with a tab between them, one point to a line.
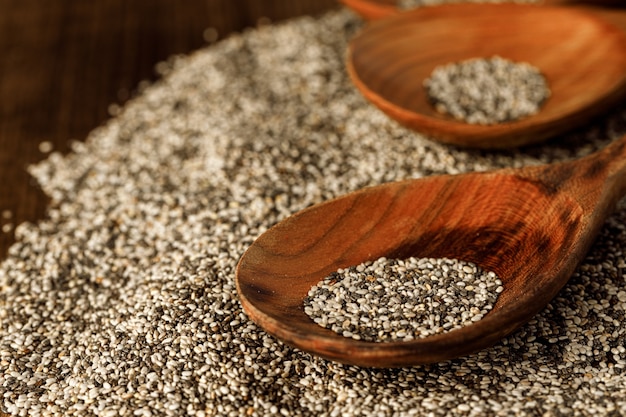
582	56
532	226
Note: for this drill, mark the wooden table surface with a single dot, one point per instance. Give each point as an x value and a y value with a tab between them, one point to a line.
64	62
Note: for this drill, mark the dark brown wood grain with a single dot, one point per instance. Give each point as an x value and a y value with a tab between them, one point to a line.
582	57
62	63
532	226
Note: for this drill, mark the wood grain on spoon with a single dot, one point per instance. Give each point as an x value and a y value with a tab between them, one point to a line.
532	226
582	57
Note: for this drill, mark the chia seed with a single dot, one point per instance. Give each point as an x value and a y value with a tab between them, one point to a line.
122	301
487	91
401	300
45	146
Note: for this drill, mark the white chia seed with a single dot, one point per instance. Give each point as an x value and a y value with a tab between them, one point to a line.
400	300
487	91
122	301
46	146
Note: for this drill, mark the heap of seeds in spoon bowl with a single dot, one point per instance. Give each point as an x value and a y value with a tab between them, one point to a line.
396	299
487	90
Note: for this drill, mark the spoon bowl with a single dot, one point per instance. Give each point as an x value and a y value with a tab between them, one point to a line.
582	56
531	226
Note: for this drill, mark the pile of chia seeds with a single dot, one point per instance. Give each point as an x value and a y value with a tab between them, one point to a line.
487	90
122	301
401	300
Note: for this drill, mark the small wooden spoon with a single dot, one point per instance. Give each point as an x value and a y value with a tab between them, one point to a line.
531	226
582	56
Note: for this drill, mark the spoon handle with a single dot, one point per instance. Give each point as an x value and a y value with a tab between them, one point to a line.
614	158
613	15
597	181
611	3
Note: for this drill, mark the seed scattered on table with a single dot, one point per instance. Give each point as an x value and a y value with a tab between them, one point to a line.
46	146
401	300
487	90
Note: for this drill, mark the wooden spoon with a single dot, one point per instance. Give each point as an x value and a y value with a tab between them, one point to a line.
531	226
378	9
582	56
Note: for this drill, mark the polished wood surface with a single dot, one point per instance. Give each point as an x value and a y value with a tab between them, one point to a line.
531	226
63	62
582	57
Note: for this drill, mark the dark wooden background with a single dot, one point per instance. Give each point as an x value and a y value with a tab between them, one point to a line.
63	62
